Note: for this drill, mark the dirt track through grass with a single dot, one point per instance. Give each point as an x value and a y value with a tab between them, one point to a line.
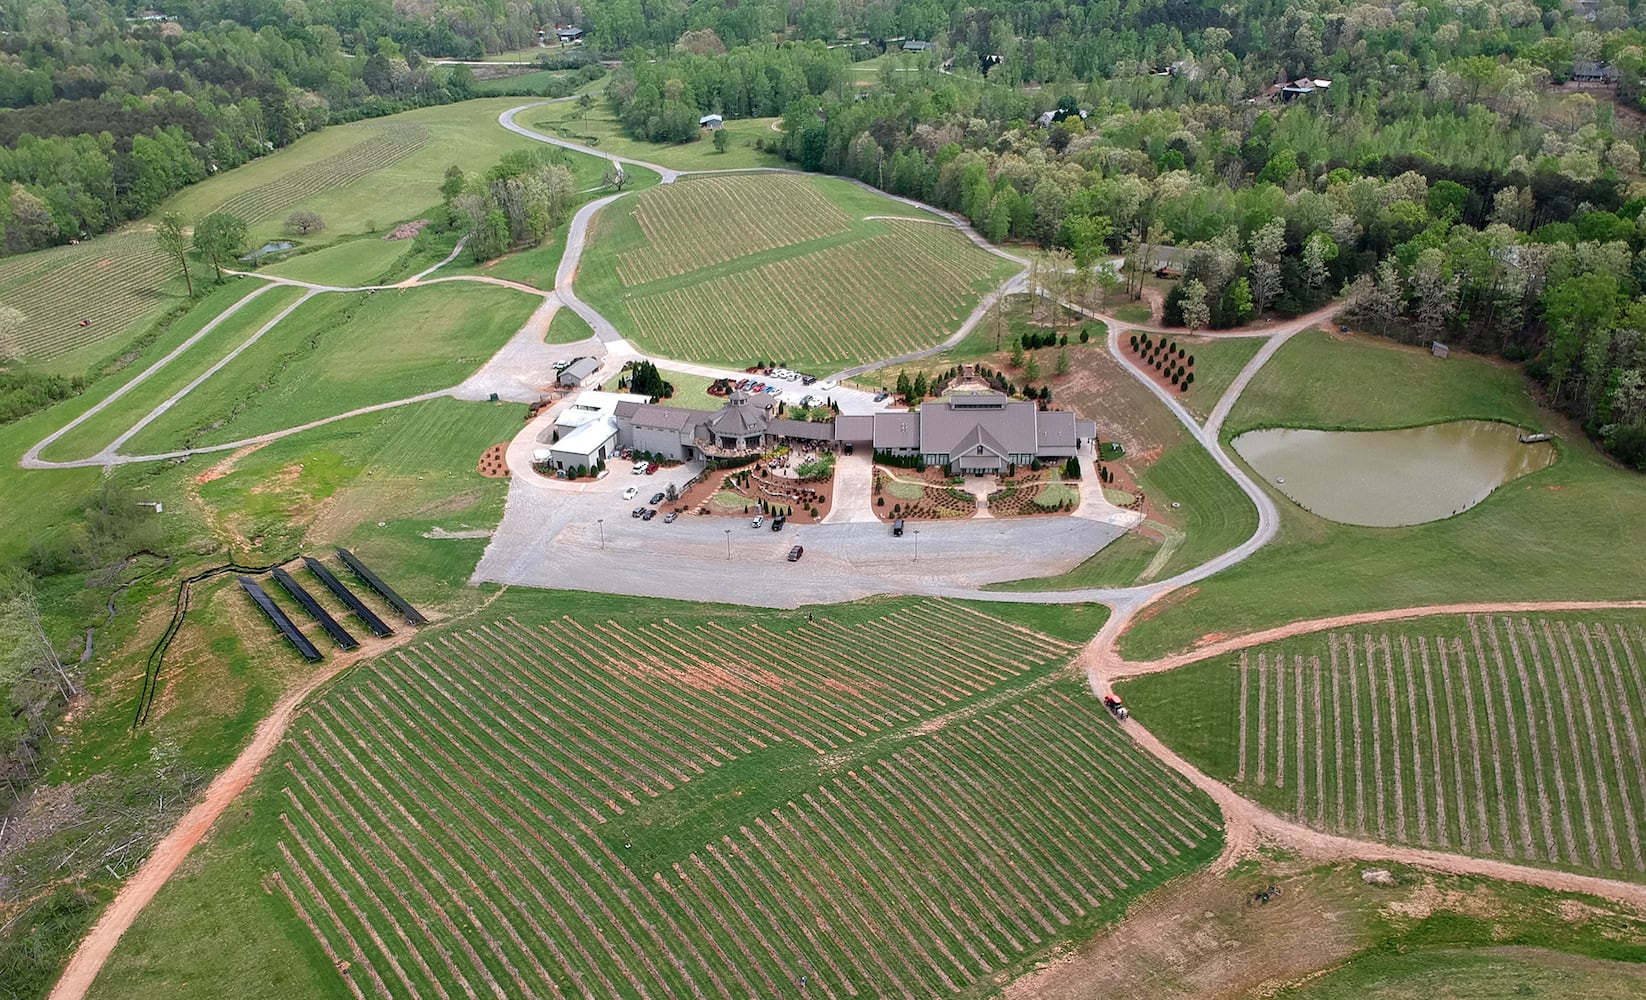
1499	742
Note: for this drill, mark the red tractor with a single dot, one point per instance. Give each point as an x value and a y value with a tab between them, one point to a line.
1113	703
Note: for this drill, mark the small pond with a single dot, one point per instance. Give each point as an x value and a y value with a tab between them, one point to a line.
280	246
1388	478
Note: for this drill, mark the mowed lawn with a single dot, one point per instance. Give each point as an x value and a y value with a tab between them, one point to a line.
351	263
1550	535
249	314
596	127
1217	360
677	799
116	283
339	351
1510	736
361	177
737	269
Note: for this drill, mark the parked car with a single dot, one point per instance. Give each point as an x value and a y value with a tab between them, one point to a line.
649	514
757	522
779	521
773	389
742	384
638	512
880	397
826	386
670	516
758	387
806	400
657	498
796	552
897	528
807	379
651	468
629	493
639	468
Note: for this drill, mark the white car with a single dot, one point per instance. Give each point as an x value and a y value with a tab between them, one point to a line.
757	522
826	386
629	493
639	469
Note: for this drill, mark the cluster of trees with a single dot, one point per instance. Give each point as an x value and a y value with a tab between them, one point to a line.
662	101
516	203
101	119
646	380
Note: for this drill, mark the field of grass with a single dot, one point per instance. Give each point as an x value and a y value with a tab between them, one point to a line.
596	127
360	177
533	81
96	433
1336	382
1216	363
681	816
352	263
1509	736
690	391
567	328
340	351
1539	538
821	285
117	282
1136	312
1471	975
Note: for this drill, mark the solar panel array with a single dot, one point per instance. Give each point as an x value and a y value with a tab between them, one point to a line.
281	622
400	604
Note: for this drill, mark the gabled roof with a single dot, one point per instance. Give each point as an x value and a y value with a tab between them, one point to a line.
854	427
660	418
805	430
579	370
1055	429
978	441
913	45
706	119
945	429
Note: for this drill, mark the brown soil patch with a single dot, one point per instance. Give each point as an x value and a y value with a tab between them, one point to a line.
1196	937
494	461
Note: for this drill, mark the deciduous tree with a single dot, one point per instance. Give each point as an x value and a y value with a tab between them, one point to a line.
220	238
174	243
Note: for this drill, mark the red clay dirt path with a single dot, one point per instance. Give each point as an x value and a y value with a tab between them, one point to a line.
169	853
1246	823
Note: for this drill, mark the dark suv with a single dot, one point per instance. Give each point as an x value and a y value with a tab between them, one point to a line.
779	521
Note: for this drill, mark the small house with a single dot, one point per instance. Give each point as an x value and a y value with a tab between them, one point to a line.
911	45
569	36
1589	71
573	374
711	122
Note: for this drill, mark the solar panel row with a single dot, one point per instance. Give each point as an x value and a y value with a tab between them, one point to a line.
281	622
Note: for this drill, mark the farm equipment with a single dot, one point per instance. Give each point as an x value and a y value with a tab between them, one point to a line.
1267	895
1113	703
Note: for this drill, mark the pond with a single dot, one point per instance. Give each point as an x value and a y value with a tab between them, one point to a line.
1390	478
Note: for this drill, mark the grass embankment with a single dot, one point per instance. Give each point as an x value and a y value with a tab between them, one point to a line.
1511	736
1553	534
192	939
370	260
367	175
340	351
567	328
736	269
1216	363
97	432
596	127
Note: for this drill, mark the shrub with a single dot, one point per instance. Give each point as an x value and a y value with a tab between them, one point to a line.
881	502
1085	336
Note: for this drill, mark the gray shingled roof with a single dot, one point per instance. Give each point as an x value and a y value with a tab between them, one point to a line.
896	429
944	429
854	427
1055	429
805	430
740	418
579	370
660	418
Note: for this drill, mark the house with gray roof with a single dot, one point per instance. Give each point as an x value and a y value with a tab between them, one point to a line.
573	374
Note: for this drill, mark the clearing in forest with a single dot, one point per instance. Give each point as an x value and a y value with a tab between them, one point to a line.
742	268
720	808
1508	736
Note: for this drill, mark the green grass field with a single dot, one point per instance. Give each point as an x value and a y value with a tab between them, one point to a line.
1216	363
567	328
533	81
1517	737
117	282
682	814
820	286
340	351
366	261
1473	975
1539	538
361	177
596	127
93	435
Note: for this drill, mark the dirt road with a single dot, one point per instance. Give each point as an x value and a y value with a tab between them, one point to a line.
138	890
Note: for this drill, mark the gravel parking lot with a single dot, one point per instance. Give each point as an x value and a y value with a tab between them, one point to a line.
583	538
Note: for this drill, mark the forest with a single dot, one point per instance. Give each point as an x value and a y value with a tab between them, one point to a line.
1440	174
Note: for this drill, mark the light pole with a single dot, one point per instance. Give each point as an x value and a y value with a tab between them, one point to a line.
602	522
728	545
917	545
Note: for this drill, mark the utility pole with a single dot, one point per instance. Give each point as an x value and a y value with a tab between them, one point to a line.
602	522
728	545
